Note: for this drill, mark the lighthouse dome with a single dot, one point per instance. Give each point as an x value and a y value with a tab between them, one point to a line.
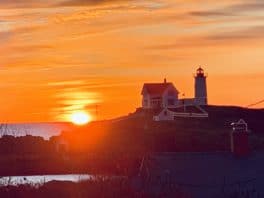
200	72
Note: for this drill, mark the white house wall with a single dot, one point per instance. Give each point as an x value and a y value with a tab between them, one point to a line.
166	97
200	91
147	98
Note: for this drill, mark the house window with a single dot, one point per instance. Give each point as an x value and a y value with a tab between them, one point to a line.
156	102
165	113
170	101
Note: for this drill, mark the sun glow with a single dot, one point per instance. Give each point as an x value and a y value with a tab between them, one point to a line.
80	118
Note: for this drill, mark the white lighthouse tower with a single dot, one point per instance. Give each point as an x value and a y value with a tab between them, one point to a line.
200	87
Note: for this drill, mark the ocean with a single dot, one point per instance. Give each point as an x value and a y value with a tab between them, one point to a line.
38	180
45	130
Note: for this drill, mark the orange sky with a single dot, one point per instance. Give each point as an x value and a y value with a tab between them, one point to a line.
58	58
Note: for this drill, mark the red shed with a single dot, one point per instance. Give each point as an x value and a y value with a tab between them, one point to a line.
239	138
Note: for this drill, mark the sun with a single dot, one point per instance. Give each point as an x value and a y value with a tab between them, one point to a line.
80	118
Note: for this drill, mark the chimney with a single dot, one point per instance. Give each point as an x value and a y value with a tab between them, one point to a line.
165	80
239	139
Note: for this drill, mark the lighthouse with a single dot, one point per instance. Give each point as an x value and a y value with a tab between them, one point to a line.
200	87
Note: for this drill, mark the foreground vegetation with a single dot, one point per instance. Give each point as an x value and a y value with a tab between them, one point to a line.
95	188
101	187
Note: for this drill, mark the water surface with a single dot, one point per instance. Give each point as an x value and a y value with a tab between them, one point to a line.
45	130
38	180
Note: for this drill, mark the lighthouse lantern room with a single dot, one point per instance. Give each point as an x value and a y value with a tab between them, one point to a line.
200	87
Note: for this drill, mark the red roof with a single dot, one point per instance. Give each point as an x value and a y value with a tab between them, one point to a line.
157	88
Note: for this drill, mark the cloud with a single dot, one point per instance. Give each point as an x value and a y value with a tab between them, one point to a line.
24	3
210	13
231	10
5	36
248	33
213	39
7	4
49	3
251	6
90	2
66	83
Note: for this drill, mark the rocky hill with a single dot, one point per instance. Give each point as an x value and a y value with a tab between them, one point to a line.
137	132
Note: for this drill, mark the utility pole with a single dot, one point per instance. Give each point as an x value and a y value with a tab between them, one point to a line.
97	111
184	107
